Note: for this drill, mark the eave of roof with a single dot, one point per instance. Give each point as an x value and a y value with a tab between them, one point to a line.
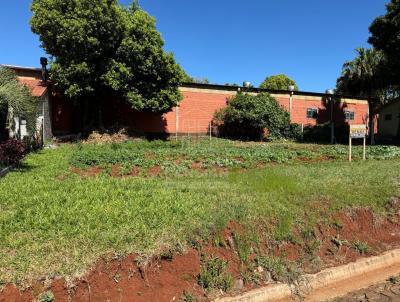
260	90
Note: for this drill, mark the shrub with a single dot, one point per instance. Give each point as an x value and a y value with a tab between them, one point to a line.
254	117
11	152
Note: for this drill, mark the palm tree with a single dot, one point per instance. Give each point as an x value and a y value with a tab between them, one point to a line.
362	77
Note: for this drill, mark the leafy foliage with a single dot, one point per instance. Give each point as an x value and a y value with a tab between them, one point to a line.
179	158
255	116
361	77
11	152
278	82
385	37
16	99
102	48
46	297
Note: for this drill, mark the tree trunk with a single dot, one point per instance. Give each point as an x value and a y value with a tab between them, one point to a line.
371	120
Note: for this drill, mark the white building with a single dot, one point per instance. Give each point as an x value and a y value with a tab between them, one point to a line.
32	78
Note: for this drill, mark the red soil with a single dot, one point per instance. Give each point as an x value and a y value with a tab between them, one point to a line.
166	280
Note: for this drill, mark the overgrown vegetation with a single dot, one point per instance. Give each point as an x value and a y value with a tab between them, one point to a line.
255	117
11	152
16	101
56	222
180	158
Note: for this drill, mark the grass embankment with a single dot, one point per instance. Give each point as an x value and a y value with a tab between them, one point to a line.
56	222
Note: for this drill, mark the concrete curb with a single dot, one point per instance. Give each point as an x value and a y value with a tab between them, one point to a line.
5	171
323	279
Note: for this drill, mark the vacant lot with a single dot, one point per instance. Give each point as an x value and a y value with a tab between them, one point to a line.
65	208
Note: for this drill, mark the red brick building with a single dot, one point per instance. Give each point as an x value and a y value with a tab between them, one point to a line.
196	110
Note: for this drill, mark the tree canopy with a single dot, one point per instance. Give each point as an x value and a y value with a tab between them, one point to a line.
385	36
362	77
101	48
278	82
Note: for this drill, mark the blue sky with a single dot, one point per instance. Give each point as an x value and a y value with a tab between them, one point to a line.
232	41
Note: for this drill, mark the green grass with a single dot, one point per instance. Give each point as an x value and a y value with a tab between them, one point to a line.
56	223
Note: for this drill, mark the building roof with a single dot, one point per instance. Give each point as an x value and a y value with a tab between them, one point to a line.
31	78
36	87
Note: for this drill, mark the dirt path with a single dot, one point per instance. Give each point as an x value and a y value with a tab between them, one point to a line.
387	291
354	289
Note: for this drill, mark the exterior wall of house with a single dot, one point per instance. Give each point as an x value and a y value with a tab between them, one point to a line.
198	106
389	120
197	109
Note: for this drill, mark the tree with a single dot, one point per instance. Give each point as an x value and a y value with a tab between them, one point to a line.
16	100
278	82
251	115
385	36
362	77
101	48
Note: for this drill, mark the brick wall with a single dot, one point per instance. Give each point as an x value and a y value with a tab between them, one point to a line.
198	106
197	109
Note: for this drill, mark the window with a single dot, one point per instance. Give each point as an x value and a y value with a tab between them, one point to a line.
388	117
312	113
349	115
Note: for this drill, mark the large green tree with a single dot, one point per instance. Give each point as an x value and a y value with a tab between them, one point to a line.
385	36
101	48
362	77
278	82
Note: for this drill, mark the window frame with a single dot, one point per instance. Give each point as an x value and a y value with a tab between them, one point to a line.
349	115
312	113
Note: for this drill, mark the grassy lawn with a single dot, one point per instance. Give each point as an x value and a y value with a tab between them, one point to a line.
54	222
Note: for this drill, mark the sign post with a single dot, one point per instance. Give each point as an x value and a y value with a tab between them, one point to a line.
357	132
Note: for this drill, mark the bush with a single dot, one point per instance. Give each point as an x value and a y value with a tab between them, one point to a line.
11	152
255	117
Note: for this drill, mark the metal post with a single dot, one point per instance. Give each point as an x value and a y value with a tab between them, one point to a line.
291	105
365	148
350	147
176	123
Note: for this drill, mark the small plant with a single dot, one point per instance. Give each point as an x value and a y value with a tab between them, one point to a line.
214	274
46	297
394	279
11	152
188	297
337	225
361	247
339	242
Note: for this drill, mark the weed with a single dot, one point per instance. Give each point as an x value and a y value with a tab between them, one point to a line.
243	247
394	279
339	242
188	297
214	274
361	247
46	297
337	225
